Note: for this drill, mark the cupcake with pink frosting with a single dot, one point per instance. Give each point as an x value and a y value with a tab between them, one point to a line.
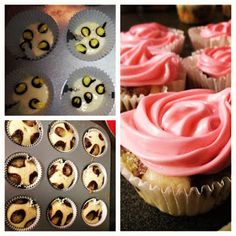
209	68
176	150
211	35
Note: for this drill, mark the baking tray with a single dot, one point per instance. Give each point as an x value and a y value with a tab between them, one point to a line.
59	63
44	193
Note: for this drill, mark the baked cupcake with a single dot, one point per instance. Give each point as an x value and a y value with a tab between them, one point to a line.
209	68
158	36
211	35
181	162
62	174
22	213
146	70
24	132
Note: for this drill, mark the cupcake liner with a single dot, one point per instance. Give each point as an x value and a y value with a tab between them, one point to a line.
19	23
73	167
40	130
108	101
180	202
50	131
28	157
199	42
62	199
95	16
33	202
197	79
17	76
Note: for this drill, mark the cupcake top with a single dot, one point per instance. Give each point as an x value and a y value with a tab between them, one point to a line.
181	133
215	30
215	62
143	65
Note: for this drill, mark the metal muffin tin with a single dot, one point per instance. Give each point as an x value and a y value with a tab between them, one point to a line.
43	193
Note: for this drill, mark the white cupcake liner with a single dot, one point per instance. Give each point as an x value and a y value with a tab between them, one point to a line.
29	157
33	202
180	202
108	102
15	77
74	209
90	15
18	24
73	167
40	130
199	42
197	79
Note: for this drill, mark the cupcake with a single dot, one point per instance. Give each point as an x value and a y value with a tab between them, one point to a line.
158	36
94	212
209	68
62	174
22	170
211	35
22	213
24	132
181	162
146	70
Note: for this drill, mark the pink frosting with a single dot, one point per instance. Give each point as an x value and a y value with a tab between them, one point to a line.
214	30
215	62
142	66
181	133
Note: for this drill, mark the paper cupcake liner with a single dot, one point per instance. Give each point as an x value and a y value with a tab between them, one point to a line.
104	210
108	103
18	24
40	130
180	202
197	79
50	131
198	42
73	208
73	167
38	166
15	77
33	202
98	17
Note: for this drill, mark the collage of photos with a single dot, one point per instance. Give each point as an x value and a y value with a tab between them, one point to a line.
120	136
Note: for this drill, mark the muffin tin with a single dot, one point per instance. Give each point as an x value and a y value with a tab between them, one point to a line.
43	193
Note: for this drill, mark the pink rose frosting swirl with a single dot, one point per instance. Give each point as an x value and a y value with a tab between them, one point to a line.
181	133
214	30
215	62
140	66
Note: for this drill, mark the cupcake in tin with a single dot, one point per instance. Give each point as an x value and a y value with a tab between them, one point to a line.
94	177
62	174
94	142
61	212
22	213
25	133
181	162
94	212
209	68
211	35
23	170
63	136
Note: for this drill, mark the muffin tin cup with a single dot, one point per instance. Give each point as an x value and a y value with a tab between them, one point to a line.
9	202
108	103
37	164
180	202
98	17
34	144
15	77
18	24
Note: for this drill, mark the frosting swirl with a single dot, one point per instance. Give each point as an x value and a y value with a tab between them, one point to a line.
181	133
215	62
214	30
